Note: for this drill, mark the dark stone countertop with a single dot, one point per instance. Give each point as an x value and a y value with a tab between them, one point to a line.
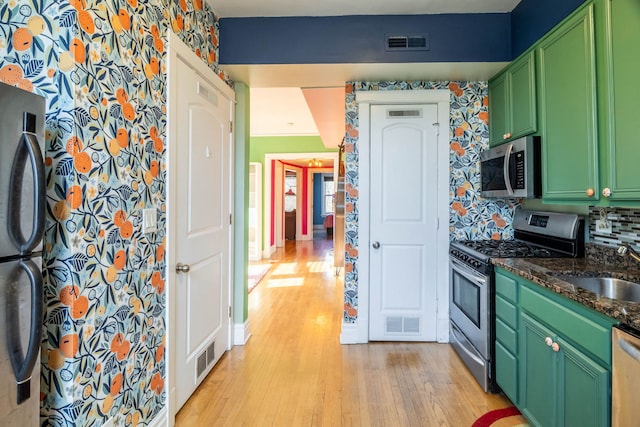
537	269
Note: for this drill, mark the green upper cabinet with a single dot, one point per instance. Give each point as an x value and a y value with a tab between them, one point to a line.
618	37
567	105
512	101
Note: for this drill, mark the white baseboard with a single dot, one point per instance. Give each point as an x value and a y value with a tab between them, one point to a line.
241	333
349	334
161	419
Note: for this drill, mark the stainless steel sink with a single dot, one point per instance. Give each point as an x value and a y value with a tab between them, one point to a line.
608	287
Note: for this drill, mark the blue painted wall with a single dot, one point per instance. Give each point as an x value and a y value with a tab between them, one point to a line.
531	19
317	199
361	39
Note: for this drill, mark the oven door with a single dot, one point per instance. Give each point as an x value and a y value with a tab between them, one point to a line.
468	309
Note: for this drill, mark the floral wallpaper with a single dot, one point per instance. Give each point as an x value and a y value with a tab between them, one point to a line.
470	217
102	67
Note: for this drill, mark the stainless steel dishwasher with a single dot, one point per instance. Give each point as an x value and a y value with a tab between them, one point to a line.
625	382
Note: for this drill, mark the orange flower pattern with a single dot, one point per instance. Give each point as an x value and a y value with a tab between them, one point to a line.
471	217
101	65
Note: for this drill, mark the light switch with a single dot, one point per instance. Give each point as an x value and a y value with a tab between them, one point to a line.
149	221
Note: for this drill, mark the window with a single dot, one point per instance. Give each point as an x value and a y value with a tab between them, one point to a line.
328	192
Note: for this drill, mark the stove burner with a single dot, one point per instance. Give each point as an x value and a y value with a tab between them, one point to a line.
509	249
477	254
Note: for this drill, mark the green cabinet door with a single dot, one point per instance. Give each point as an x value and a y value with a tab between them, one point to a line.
523	96
512	101
584	386
567	102
538	374
621	142
499	109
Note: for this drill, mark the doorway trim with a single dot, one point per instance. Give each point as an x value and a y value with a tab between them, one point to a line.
177	48
267	248
358	332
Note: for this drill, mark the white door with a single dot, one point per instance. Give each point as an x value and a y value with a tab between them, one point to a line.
403	223
203	161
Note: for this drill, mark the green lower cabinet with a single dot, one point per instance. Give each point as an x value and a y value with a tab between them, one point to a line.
584	389
507	374
553	355
563	387
538	374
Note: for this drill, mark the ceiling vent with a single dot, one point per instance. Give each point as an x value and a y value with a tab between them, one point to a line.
415	42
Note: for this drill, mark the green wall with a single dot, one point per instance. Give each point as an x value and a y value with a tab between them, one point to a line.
261	145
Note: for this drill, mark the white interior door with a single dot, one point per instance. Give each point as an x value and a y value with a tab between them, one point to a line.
202	242
403	223
255	211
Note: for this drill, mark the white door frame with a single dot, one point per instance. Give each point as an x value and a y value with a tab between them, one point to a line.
177	48
257	254
359	332
268	250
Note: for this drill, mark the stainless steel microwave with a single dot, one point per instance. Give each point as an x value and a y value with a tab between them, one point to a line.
511	170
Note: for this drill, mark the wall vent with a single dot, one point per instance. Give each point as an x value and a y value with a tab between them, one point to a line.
402	325
205	359
211	353
404	113
201	364
414	42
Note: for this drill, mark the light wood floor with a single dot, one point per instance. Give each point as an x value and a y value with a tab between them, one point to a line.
294	372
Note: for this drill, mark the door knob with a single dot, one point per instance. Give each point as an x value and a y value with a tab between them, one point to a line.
182	268
376	245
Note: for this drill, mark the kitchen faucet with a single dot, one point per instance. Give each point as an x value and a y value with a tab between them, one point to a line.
625	249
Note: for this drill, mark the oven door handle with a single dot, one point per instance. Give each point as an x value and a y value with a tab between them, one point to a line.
459	336
462	269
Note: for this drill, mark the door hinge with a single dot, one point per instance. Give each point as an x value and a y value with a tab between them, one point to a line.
437	125
230	219
230	127
229	311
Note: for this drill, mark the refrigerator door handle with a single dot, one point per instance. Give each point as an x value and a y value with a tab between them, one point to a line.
23	364
28	147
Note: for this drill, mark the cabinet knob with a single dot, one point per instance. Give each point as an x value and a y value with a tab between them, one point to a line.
555	347
590	192
548	341
606	192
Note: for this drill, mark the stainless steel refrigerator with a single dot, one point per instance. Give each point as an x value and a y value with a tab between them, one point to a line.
22	204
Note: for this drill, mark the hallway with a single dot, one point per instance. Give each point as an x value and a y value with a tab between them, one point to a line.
294	372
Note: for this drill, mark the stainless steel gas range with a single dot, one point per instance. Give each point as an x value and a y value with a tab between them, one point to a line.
537	234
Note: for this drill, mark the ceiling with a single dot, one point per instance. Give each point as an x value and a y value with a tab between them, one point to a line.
296	99
253	8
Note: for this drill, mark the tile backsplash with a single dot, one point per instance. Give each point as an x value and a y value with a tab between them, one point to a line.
625	227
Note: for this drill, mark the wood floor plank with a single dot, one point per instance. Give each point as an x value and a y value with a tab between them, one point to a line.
294	372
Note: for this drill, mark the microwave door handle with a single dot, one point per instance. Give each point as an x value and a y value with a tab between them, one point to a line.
507	177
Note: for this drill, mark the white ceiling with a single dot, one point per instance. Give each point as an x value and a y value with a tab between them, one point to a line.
278	105
253	8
